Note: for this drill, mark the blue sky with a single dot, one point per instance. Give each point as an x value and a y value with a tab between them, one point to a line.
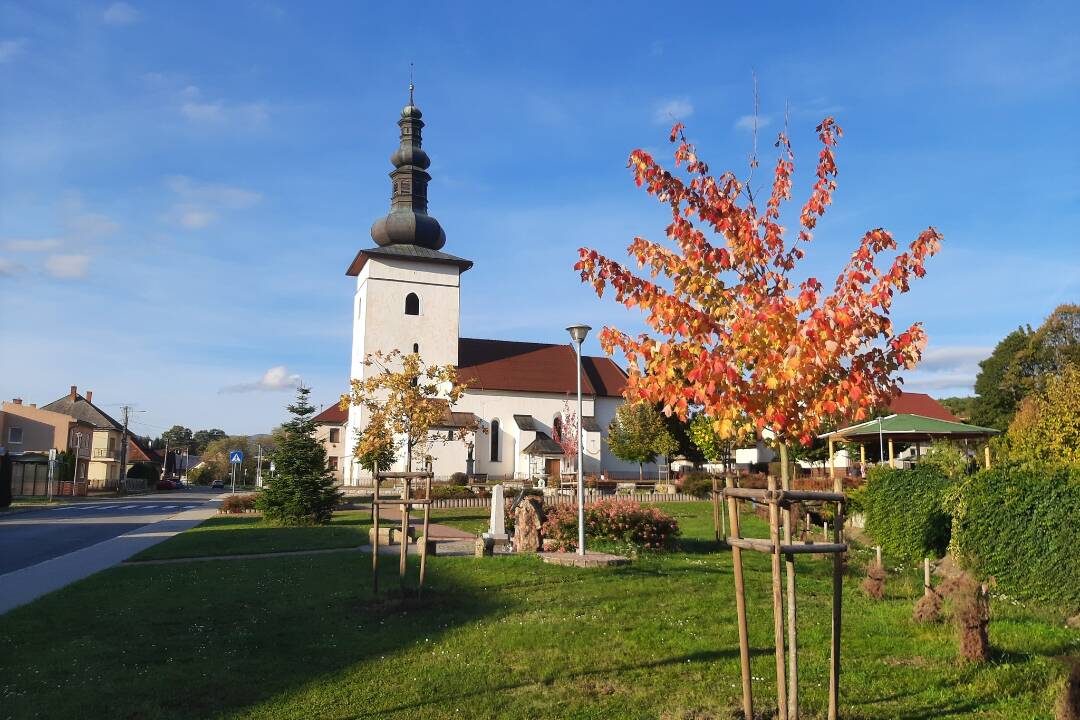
182	185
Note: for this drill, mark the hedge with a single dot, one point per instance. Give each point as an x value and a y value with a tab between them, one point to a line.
1019	525
905	511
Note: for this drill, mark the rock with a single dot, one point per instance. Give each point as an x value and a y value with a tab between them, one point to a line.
528	519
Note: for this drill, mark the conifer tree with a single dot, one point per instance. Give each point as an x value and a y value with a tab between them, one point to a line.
302	492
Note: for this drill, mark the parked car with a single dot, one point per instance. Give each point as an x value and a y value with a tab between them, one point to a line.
218	484
165	485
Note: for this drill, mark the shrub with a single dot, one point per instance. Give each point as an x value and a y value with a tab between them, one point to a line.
905	511
144	471
1067	706
1018	525
440	492
459	478
236	504
874	583
202	475
623	521
697	484
971	612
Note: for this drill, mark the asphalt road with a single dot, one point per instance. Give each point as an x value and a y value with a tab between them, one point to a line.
27	538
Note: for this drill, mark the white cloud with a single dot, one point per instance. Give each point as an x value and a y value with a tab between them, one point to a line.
203	111
953	356
676	109
200	205
276	378
67	266
947	370
9	49
92	226
120	13
23	245
10	267
746	122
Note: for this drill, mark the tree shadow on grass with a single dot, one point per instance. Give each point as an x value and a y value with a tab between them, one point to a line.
206	639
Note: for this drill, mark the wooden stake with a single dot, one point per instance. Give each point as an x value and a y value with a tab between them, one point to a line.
838	588
926	576
716	510
740	605
423	548
877	551
375	540
892	455
789	568
862	458
986	455
778	604
404	528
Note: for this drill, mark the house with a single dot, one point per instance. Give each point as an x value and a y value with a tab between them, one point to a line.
329	430
102	433
29	432
519	393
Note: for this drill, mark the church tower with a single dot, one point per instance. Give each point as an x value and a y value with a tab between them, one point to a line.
407	289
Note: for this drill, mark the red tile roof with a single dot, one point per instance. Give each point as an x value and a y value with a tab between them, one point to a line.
332	415
535	367
909	403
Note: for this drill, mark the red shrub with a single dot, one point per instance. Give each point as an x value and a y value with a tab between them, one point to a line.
616	520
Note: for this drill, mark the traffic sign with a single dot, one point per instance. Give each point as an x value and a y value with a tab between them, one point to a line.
236	457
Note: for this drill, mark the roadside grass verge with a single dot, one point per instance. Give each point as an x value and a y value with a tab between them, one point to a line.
248	534
506	637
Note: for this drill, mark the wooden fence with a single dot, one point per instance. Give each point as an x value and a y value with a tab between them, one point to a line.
485	502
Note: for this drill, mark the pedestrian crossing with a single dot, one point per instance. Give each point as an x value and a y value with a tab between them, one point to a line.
88	508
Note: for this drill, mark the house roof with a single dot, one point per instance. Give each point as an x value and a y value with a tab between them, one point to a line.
142	451
909	403
543	445
525	422
83	410
332	415
407	252
535	367
908	427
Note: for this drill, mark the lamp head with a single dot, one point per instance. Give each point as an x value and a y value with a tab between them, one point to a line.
578	332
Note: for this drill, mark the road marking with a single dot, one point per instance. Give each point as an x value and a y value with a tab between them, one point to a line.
168	507
128	507
189	507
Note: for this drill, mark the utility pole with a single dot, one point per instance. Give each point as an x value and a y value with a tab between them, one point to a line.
123	450
78	448
258	468
165	460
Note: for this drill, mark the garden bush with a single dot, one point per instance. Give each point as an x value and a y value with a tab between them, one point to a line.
441	492
236	504
621	521
459	478
905	511
697	484
1018	524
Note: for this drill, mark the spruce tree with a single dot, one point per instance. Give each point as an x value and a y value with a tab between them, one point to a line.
302	491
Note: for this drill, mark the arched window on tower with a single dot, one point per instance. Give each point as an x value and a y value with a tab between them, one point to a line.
416	348
494	441
556	427
412	304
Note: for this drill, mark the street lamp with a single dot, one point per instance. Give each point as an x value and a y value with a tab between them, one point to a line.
577	334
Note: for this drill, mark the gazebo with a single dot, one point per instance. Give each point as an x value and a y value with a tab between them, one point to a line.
905	428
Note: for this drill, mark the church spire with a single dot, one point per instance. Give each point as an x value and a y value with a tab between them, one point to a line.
408	222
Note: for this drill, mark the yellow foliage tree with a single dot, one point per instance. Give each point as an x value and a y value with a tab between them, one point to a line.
403	398
1047	424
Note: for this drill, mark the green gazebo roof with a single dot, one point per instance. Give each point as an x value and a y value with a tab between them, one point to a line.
910	428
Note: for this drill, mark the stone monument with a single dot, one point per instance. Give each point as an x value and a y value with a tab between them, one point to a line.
528	520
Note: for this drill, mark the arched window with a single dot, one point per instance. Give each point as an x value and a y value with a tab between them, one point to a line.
556	427
416	348
412	304
494	441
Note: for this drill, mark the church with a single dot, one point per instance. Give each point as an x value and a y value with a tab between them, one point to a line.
407	298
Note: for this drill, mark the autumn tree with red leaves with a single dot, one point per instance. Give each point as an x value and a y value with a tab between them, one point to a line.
733	334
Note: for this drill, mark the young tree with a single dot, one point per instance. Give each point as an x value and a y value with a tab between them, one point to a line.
403	398
733	334
565	433
302	492
712	445
380	451
177	436
638	434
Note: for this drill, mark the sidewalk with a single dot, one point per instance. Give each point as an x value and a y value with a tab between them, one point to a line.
391	517
22	586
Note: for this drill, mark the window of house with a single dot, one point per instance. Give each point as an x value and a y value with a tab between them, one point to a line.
494	441
14	435
556	427
332	463
412	304
416	348
112	444
335	435
450	434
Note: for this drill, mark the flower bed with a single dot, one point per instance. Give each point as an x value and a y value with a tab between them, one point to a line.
620	521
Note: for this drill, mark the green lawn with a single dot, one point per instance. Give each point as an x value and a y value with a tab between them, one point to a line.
302	637
246	534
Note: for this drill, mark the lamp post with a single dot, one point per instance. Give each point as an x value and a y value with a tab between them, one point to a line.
577	334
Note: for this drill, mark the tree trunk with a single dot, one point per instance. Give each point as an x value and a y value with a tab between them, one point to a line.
641	473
